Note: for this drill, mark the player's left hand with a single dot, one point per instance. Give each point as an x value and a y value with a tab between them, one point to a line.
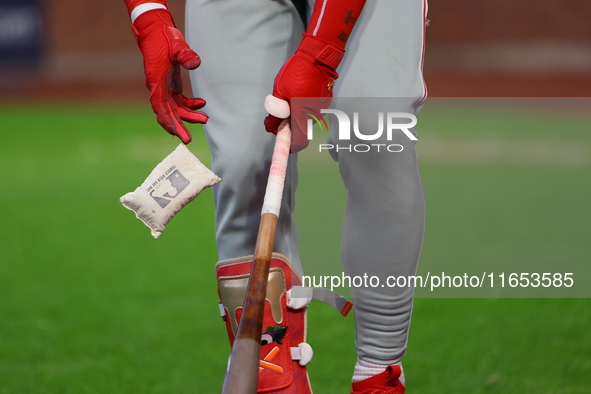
165	51
310	72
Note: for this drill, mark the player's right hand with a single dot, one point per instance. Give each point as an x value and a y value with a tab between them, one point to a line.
165	51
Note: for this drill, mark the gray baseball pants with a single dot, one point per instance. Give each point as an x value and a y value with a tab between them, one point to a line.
243	43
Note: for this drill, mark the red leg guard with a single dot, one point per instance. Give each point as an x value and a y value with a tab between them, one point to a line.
284	352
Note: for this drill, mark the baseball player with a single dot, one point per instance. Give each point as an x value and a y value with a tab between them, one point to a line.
291	48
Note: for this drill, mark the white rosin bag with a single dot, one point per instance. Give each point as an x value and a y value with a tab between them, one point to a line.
174	183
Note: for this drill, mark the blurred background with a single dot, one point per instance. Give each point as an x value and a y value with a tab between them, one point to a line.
90	303
474	48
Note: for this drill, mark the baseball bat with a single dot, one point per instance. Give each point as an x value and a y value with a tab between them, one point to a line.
242	375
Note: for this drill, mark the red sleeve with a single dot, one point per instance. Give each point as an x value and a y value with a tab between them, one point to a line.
131	4
333	20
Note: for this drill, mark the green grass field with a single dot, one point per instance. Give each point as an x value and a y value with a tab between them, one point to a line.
90	303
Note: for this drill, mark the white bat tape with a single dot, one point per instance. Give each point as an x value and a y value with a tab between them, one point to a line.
276	182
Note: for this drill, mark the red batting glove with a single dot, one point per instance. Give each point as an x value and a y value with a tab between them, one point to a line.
165	50
311	71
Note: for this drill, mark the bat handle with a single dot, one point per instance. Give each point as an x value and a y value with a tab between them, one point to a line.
243	369
276	182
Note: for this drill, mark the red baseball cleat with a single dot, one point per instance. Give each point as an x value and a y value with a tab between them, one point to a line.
387	382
